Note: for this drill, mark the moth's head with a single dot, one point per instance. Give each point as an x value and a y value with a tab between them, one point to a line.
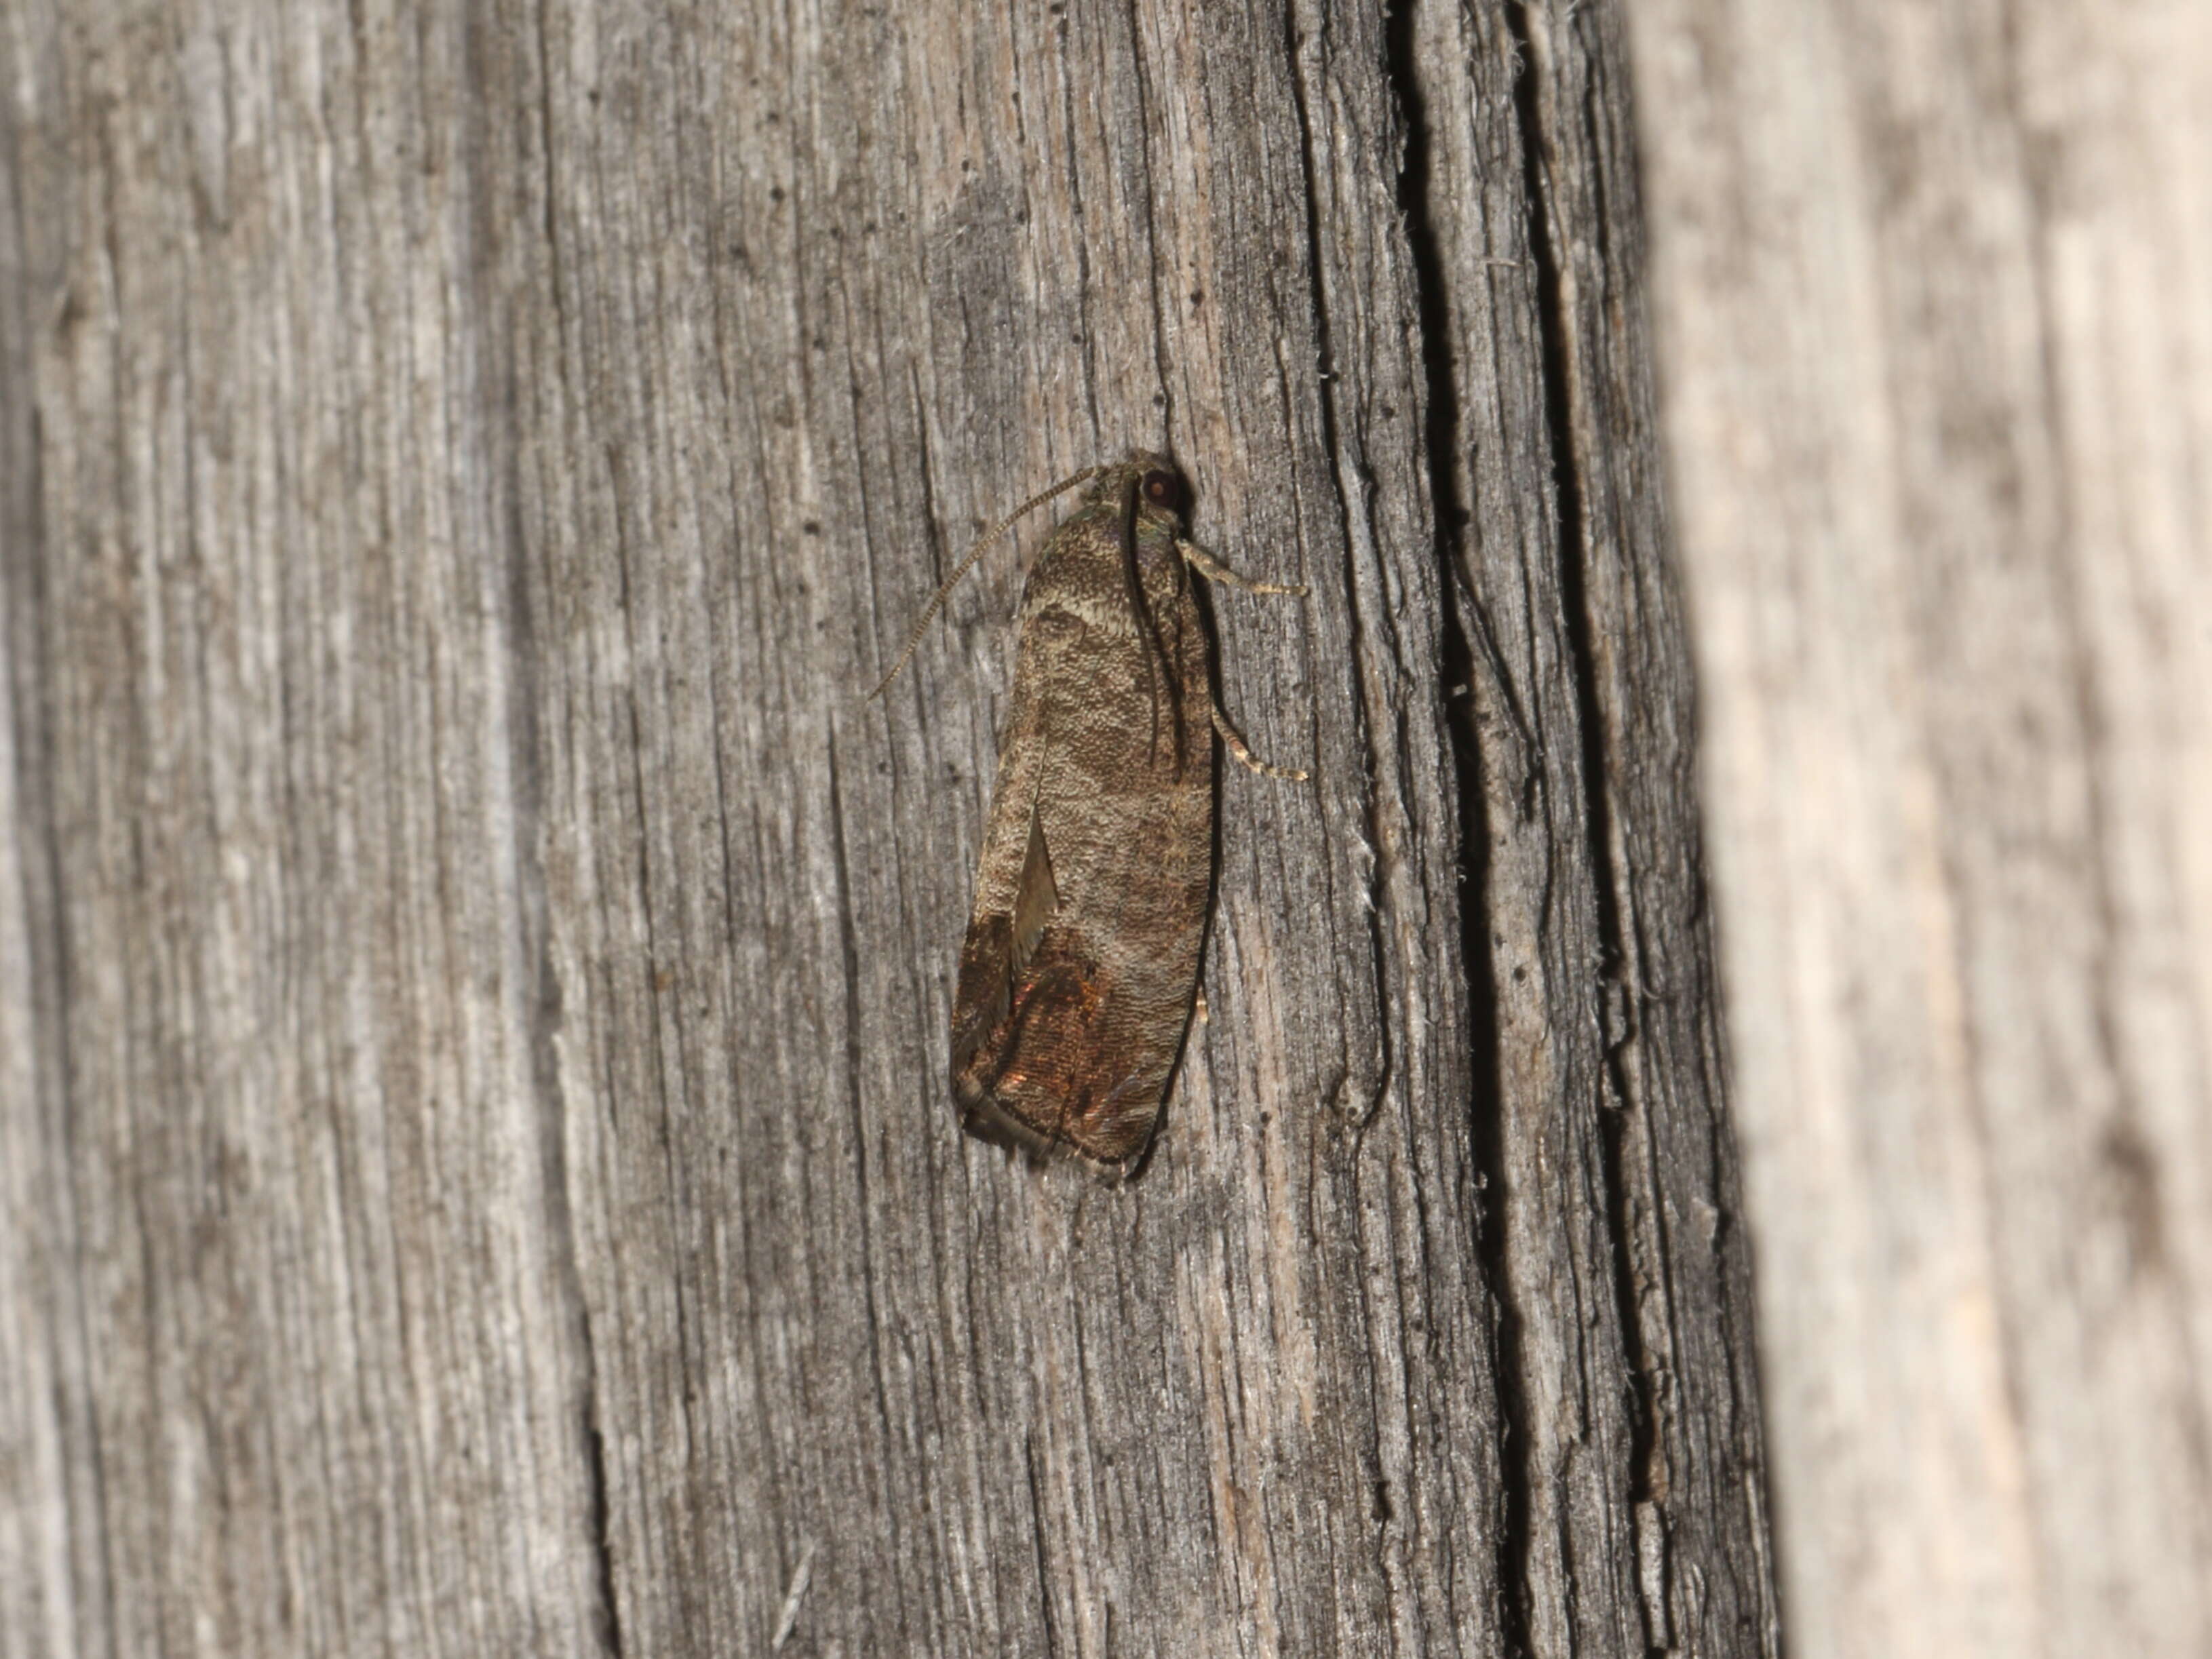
1157	483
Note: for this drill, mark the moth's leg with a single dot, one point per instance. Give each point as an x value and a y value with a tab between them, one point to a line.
1208	566
1198	1006
1237	748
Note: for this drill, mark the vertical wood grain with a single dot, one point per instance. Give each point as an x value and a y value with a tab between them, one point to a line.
1930	292
488	1182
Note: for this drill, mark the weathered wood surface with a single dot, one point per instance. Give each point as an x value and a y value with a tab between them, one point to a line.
1931	283
479	1166
1623	1285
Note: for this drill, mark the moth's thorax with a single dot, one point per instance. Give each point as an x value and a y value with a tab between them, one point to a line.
1084	567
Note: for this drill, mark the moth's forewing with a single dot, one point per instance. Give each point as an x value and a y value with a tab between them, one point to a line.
1081	960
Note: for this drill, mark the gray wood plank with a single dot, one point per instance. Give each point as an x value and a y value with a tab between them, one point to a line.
308	1385
1930	289
486	970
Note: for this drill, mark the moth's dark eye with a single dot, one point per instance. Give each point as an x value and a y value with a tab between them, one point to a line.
1163	489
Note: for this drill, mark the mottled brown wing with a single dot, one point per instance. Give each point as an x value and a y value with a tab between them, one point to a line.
1070	1043
983	1002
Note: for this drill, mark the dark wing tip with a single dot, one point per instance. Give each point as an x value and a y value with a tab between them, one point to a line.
989	1119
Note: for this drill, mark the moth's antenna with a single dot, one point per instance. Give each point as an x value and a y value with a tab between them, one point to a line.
937	603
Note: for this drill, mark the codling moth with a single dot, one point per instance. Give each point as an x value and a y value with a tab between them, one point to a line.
1081	962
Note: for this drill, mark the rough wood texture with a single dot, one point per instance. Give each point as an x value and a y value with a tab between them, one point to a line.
480	1166
1932	283
1623	1285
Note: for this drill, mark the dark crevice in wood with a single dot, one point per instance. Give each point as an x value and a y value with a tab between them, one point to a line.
1141	80
1556	327
1378	896
550	184
595	1447
599	1522
1069	104
929	529
1037	1542
1452	517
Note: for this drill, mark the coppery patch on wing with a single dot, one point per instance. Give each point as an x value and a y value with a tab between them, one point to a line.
1048	1074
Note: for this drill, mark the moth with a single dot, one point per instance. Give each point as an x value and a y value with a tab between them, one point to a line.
1080	967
